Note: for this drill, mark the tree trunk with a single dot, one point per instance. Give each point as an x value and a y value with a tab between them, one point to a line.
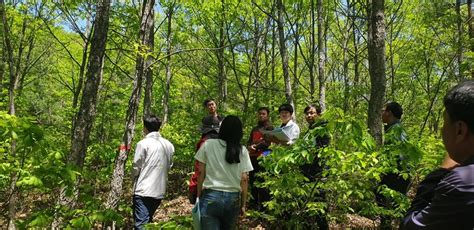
459	42
87	109
221	71
12	191
295	59
356	56
345	60
146	28
376	49
148	71
166	100
471	31
322	56
11	63
312	54
284	52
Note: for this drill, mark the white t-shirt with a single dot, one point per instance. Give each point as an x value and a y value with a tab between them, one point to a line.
151	163
220	175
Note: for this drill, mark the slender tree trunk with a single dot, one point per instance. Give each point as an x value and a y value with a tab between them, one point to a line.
295	59
312	54
82	67
322	56
146	27
345	60
274	39
148	71
2	69
12	191
221	69
376	49
168	67
284	52
471	30
459	42
87	109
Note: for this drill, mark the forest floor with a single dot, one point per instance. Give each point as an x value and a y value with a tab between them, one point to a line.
177	204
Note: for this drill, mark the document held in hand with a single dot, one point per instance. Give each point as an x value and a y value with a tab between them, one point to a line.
279	133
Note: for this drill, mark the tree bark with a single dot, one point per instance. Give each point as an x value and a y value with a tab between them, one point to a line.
12	191
376	49
312	54
169	75
321	56
345	59
221	70
471	30
146	28
87	109
459	42
284	52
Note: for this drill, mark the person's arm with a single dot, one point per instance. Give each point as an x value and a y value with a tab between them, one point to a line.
244	183
438	203
171	153
138	160
202	176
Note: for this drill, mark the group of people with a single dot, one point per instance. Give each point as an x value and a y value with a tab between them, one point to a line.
224	168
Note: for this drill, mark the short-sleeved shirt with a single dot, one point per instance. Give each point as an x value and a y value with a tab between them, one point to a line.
220	175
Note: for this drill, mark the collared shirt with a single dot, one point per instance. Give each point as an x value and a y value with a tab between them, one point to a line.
292	130
444	200
151	163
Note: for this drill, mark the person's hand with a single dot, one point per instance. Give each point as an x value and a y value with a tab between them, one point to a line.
253	147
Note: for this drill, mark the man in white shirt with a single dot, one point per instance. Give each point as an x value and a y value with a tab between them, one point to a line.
288	126
151	163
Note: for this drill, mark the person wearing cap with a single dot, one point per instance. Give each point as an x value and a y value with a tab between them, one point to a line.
445	198
288	126
209	129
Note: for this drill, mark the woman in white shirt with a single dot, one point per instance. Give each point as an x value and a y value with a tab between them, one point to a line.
223	182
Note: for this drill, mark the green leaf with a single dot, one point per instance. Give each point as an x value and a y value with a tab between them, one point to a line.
29	181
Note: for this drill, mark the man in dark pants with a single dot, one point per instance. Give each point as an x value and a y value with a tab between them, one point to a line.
445	198
151	163
256	146
394	137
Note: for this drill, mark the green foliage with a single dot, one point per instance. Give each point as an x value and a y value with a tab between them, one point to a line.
353	167
175	222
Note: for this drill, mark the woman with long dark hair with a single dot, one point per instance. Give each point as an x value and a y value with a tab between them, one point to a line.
223	182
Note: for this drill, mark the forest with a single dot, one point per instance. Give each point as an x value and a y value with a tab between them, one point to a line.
77	78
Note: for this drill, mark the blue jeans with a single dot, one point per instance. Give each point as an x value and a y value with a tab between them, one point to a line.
219	210
143	210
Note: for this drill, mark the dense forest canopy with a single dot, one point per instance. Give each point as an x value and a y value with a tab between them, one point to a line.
76	78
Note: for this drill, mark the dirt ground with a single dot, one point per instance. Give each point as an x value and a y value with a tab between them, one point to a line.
177	204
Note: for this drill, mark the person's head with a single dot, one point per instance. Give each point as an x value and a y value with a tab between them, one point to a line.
263	113
311	113
151	124
210	105
285	110
231	132
210	124
392	111
458	126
